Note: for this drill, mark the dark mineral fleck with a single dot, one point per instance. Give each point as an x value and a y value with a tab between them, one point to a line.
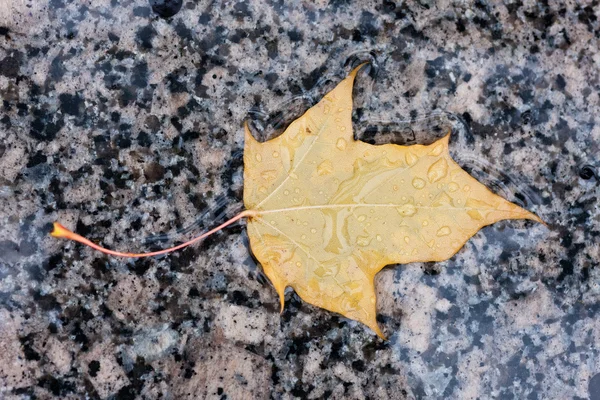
166	8
586	172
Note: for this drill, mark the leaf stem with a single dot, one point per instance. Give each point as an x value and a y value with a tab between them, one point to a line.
61	232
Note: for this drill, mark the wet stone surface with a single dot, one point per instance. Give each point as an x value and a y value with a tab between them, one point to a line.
123	121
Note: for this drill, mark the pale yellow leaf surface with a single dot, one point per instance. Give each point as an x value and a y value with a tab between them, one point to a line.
329	212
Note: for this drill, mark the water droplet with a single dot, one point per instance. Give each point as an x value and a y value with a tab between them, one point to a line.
298	264
474	214
444	231
273	222
379	238
293	175
467	188
395	187
262	189
425	223
363	240
258	157
342	128
303	237
411	159
275	154
407	239
587	172
361	218
373	300
452	187
442	200
407	210
313	230
437	170
437	150
431	243
286	192
305	223
297	190
325	168
360	164
341	144
418	183
269	175
477	209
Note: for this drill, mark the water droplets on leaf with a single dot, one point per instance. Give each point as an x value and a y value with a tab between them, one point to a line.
437	170
365	207
418	183
407	210
269	175
411	158
443	231
325	168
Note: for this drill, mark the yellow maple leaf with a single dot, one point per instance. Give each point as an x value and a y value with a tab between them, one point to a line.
329	212
326	212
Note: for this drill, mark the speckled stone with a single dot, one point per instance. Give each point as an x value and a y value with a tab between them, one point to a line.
123	121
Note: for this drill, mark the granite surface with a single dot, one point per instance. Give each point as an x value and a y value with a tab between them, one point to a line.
122	119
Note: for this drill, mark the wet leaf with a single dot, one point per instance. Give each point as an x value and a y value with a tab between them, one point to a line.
327	212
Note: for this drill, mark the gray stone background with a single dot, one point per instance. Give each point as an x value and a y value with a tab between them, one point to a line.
122	120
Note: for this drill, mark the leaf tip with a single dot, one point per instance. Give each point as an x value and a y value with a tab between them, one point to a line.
522	213
371	322
282	303
281	293
445	140
248	137
533	217
356	69
376	329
